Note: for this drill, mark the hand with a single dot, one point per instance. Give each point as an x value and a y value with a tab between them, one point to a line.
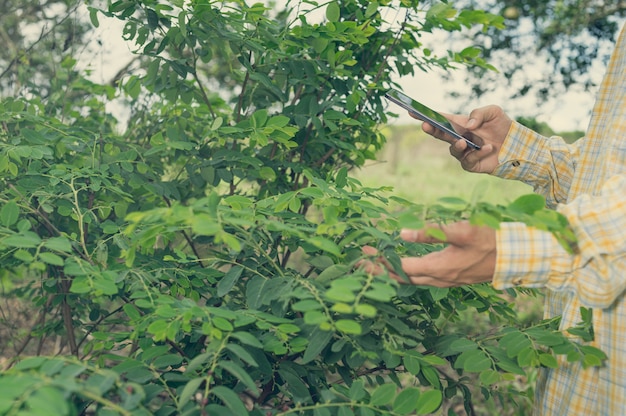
470	257
487	127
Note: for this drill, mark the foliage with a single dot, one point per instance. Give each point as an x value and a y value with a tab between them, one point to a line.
36	36
571	36
201	259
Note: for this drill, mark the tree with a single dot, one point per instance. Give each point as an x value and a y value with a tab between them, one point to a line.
37	37
571	36
201	259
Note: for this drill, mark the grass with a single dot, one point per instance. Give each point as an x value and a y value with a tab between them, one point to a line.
420	169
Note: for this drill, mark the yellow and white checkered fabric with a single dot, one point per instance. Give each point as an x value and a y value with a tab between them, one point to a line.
586	181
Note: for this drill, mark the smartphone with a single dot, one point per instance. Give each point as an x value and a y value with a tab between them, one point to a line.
426	114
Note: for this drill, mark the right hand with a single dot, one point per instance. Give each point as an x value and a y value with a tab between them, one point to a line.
486	126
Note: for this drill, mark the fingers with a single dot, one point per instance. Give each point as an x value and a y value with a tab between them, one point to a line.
379	265
424	235
454	233
373	267
469	256
473	161
457	233
482	115
429	129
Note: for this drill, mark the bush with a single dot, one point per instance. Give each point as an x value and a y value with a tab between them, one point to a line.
200	260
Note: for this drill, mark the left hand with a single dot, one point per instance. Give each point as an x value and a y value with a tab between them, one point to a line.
486	126
470	257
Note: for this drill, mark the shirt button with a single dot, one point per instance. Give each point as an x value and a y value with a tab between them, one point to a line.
515	163
517	282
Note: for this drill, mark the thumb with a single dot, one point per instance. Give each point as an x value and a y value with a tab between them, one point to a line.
429	234
482	115
438	233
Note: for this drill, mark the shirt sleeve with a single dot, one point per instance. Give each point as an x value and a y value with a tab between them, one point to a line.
545	163
596	273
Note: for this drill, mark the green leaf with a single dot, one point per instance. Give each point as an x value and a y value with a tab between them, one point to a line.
411	220
527	357
23	255
242	354
333	272
247	339
51	258
28	239
48	400
230	399
227	282
204	224
261	291
333	12
348	326
428	402
438	293
189	391
528	204
325	244
294	385
383	395
267	173
548	360
307	305
315	317
381	292
9	213
489	377
131	311
93	16
546	337
61	244
357	390
514	342
318	340
406	402
367	310
412	364
30	362
278	121
441	11
372	8
473	361
241	374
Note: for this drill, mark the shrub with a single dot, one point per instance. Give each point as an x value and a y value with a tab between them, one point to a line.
201	258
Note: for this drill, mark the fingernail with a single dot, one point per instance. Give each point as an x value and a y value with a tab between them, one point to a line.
471	123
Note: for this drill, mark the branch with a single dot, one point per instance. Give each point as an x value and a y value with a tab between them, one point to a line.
44	33
66	311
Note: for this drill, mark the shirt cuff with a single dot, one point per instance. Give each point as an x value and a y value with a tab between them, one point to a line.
529	257
519	155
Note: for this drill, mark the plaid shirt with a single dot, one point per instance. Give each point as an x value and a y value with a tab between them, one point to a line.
586	181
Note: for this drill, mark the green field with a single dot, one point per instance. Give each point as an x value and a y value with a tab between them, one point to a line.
420	169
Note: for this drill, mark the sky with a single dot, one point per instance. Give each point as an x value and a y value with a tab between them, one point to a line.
565	112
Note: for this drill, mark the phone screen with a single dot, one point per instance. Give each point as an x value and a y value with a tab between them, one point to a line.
426	114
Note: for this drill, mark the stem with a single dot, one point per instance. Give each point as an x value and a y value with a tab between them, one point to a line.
66	312
106	403
243	90
187	238
95	325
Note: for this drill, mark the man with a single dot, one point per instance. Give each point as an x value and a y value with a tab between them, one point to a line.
585	181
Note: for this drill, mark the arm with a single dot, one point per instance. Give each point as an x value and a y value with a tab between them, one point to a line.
512	151
517	255
533	258
547	164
